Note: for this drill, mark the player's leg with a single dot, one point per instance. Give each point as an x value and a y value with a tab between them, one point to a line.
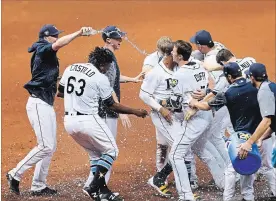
42	167
183	140
216	133
162	150
38	113
268	170
191	169
93	134
165	131
112	124
230	182
247	189
199	148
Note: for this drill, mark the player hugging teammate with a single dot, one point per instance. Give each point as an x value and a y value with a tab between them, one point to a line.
181	86
179	94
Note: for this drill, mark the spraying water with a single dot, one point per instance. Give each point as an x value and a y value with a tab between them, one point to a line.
94	32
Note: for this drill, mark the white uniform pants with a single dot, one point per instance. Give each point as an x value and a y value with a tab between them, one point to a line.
43	120
267	168
112	124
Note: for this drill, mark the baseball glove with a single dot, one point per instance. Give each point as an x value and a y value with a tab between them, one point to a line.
217	102
173	103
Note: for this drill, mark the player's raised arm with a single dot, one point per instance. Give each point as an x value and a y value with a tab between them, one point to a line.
65	40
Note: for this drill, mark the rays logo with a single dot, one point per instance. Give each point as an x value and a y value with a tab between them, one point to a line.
244	136
173	82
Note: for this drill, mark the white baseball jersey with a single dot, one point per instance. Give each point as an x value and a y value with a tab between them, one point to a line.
222	83
83	86
158	82
245	63
153	59
189	78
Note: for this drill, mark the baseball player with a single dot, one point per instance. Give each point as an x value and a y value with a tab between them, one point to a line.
82	85
42	89
164	44
241	101
189	77
154	58
216	147
267	102
156	88
112	37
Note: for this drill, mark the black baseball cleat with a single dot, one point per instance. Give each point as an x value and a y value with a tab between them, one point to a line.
44	192
91	193
160	187
110	197
13	184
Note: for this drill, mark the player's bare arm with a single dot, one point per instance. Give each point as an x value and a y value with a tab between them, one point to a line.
65	40
261	129
125	79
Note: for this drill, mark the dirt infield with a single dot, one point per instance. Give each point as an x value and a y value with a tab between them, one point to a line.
245	27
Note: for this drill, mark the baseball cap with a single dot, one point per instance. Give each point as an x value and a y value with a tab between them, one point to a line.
258	71
48	30
113	32
202	37
232	68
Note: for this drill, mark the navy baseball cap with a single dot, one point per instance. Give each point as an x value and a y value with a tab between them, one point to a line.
113	32
49	30
202	37
232	68
258	71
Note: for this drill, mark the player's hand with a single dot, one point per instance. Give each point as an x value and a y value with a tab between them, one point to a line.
259	143
141	113
166	114
198	94
125	120
193	102
189	114
88	31
244	148
138	77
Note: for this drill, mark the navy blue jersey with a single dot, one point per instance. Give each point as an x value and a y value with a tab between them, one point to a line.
113	75
44	70
242	103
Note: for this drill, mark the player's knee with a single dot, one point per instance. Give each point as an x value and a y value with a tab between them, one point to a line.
113	153
47	148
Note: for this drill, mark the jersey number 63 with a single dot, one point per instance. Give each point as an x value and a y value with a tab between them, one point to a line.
73	87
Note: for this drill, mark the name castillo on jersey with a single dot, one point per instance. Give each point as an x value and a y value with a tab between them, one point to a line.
82	69
84	85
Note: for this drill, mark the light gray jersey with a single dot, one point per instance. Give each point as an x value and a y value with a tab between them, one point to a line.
266	100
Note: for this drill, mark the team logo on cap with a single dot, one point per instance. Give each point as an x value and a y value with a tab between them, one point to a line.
46	33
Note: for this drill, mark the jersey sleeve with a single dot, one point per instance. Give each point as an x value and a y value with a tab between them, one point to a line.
148	62
266	101
46	50
218	101
221	84
63	79
150	83
104	87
